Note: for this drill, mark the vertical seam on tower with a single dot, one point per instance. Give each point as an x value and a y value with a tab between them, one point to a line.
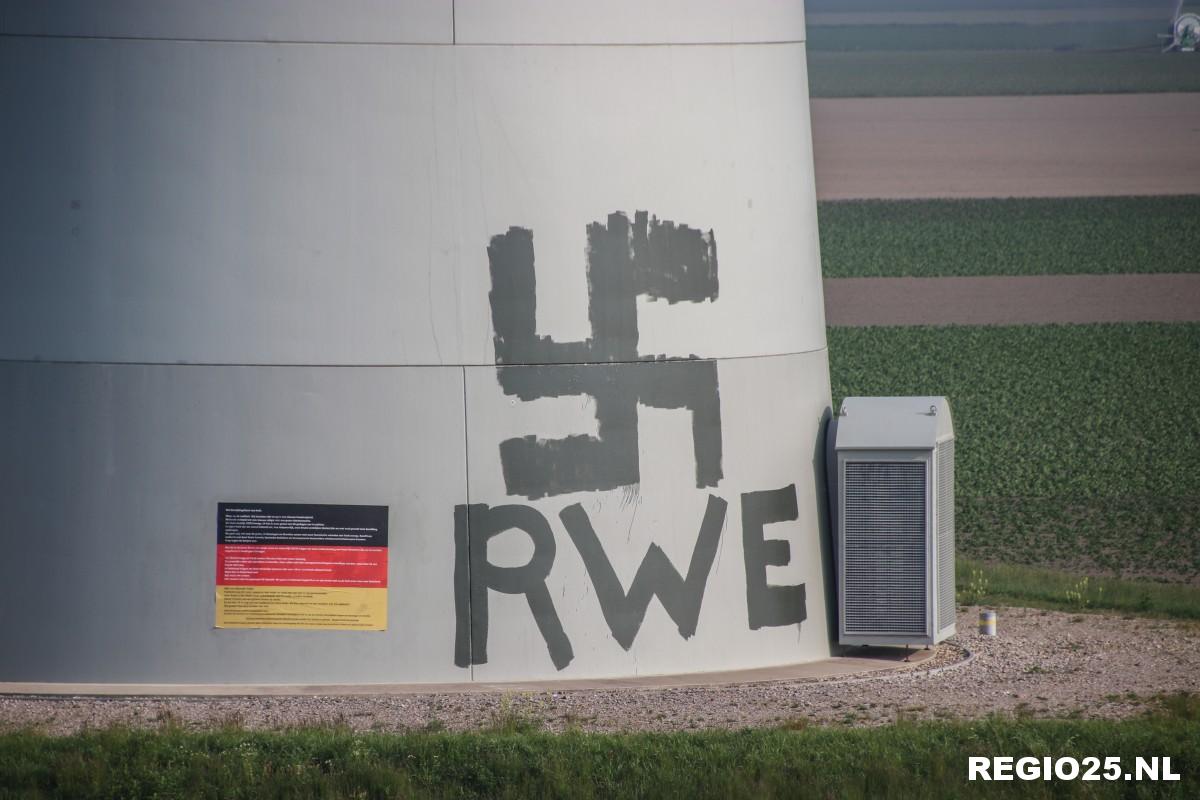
454	30
467	517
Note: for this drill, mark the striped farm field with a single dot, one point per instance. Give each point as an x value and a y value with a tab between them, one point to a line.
949	73
1083	35
957	6
1028	236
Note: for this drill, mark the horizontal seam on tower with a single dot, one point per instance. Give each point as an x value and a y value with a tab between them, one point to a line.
76	362
214	40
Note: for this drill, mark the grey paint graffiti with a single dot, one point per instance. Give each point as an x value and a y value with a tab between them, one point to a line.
648	258
681	597
475	576
535	467
769	605
624	611
651	258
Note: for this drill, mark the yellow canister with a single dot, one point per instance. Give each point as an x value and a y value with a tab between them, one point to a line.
987	623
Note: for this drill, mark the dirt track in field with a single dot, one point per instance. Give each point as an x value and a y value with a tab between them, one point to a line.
1044	146
1012	300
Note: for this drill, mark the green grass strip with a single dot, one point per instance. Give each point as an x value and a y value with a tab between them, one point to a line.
1077	447
953	73
924	238
898	761
987	36
822	6
981	583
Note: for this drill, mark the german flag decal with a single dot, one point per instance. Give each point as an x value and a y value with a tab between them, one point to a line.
301	566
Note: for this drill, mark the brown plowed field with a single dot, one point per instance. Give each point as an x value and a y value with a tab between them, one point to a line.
1044	146
1012	300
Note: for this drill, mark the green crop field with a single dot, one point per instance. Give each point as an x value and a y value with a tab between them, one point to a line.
991	36
1009	237
818	6
934	73
895	761
870	48
1078	445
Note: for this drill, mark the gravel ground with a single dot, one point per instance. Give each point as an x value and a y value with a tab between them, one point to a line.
1044	663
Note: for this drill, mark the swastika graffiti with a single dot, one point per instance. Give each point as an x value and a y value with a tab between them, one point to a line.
646	258
651	258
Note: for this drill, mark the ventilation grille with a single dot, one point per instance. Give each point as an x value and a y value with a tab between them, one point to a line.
884	547
945	533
